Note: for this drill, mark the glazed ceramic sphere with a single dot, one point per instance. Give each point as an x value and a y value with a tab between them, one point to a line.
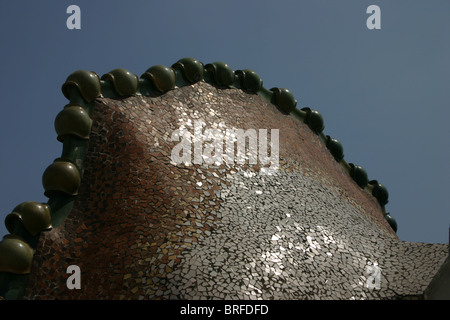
284	99
391	221
124	82
359	175
61	176
73	120
222	73
163	77
34	216
335	148
250	81
87	83
191	69
314	120
16	255
380	192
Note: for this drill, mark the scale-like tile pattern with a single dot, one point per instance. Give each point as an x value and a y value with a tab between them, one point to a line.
287	236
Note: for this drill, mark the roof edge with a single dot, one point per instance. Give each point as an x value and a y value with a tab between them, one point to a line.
73	125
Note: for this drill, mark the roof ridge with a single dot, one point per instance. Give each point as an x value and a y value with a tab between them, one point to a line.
73	125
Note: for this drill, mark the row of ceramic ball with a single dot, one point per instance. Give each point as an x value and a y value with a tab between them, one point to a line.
163	79
63	176
357	173
30	218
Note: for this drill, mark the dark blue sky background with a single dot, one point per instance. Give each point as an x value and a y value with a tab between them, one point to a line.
383	93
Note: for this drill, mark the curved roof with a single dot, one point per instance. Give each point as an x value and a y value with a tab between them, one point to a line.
62	178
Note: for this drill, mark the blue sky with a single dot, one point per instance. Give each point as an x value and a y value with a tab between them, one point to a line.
383	93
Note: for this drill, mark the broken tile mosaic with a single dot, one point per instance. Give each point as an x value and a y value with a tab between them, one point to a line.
143	227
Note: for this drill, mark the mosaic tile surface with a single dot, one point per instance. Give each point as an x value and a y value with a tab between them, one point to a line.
145	228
